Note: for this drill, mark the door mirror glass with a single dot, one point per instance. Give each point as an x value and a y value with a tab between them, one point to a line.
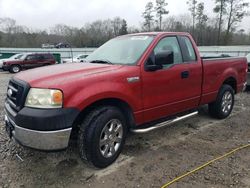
165	57
150	64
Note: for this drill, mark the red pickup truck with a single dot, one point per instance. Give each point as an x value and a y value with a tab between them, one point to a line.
136	82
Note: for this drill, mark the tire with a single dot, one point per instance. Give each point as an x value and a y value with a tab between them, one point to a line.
96	136
224	103
15	69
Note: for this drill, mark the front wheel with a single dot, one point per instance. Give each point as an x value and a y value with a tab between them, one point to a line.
15	68
224	103
102	136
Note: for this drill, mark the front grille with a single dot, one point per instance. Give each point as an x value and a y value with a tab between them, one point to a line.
16	94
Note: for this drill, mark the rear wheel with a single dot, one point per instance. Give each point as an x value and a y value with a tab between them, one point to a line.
15	69
102	136
224	103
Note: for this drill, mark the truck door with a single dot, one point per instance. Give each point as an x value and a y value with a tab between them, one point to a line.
176	87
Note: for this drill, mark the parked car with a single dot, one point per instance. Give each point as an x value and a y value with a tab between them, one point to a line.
62	45
27	61
77	59
136	82
48	45
16	56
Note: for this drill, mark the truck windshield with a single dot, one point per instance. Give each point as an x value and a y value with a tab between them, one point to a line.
122	50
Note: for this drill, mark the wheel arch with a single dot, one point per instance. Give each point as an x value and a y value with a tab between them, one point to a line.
232	82
119	103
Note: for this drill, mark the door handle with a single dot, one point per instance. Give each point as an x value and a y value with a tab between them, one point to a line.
184	74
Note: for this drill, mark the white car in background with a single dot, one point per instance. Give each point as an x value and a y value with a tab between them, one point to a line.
77	59
16	56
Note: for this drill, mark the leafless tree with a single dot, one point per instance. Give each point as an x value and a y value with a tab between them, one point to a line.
193	9
235	13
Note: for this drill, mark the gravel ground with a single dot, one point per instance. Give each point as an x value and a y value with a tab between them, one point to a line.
148	160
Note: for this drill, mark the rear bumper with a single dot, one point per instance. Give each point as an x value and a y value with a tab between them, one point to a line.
42	140
248	78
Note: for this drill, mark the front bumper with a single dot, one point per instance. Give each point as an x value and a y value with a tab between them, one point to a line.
42	129
42	140
244	86
6	67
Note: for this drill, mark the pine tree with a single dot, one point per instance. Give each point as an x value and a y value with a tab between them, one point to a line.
147	15
124	28
160	9
192	8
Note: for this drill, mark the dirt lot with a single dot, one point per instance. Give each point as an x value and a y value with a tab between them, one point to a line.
148	160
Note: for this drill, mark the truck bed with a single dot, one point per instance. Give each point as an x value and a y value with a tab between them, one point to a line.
216	69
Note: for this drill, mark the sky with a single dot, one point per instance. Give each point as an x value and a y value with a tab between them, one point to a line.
43	14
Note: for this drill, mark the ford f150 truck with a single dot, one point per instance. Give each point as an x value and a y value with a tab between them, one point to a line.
135	82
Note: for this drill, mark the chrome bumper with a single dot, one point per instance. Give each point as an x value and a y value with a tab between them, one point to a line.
42	140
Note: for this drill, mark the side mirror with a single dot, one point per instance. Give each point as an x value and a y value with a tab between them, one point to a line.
164	58
150	65
153	67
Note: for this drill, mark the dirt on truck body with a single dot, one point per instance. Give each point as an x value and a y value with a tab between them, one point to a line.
148	160
137	83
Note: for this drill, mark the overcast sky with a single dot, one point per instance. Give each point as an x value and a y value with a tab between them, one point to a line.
42	14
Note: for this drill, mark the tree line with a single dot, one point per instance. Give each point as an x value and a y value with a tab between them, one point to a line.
91	35
218	30
221	29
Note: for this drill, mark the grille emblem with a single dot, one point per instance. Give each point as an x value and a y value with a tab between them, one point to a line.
9	92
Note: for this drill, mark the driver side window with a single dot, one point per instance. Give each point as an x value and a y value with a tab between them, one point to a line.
170	44
30	57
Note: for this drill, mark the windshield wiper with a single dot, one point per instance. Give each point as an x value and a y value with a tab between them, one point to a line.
103	61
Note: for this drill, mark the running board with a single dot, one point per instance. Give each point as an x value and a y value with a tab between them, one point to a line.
163	124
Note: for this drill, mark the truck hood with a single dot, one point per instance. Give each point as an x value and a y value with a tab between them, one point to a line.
56	75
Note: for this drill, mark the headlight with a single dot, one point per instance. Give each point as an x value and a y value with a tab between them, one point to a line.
44	98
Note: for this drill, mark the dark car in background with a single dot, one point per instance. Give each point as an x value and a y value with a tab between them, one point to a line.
29	60
62	45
